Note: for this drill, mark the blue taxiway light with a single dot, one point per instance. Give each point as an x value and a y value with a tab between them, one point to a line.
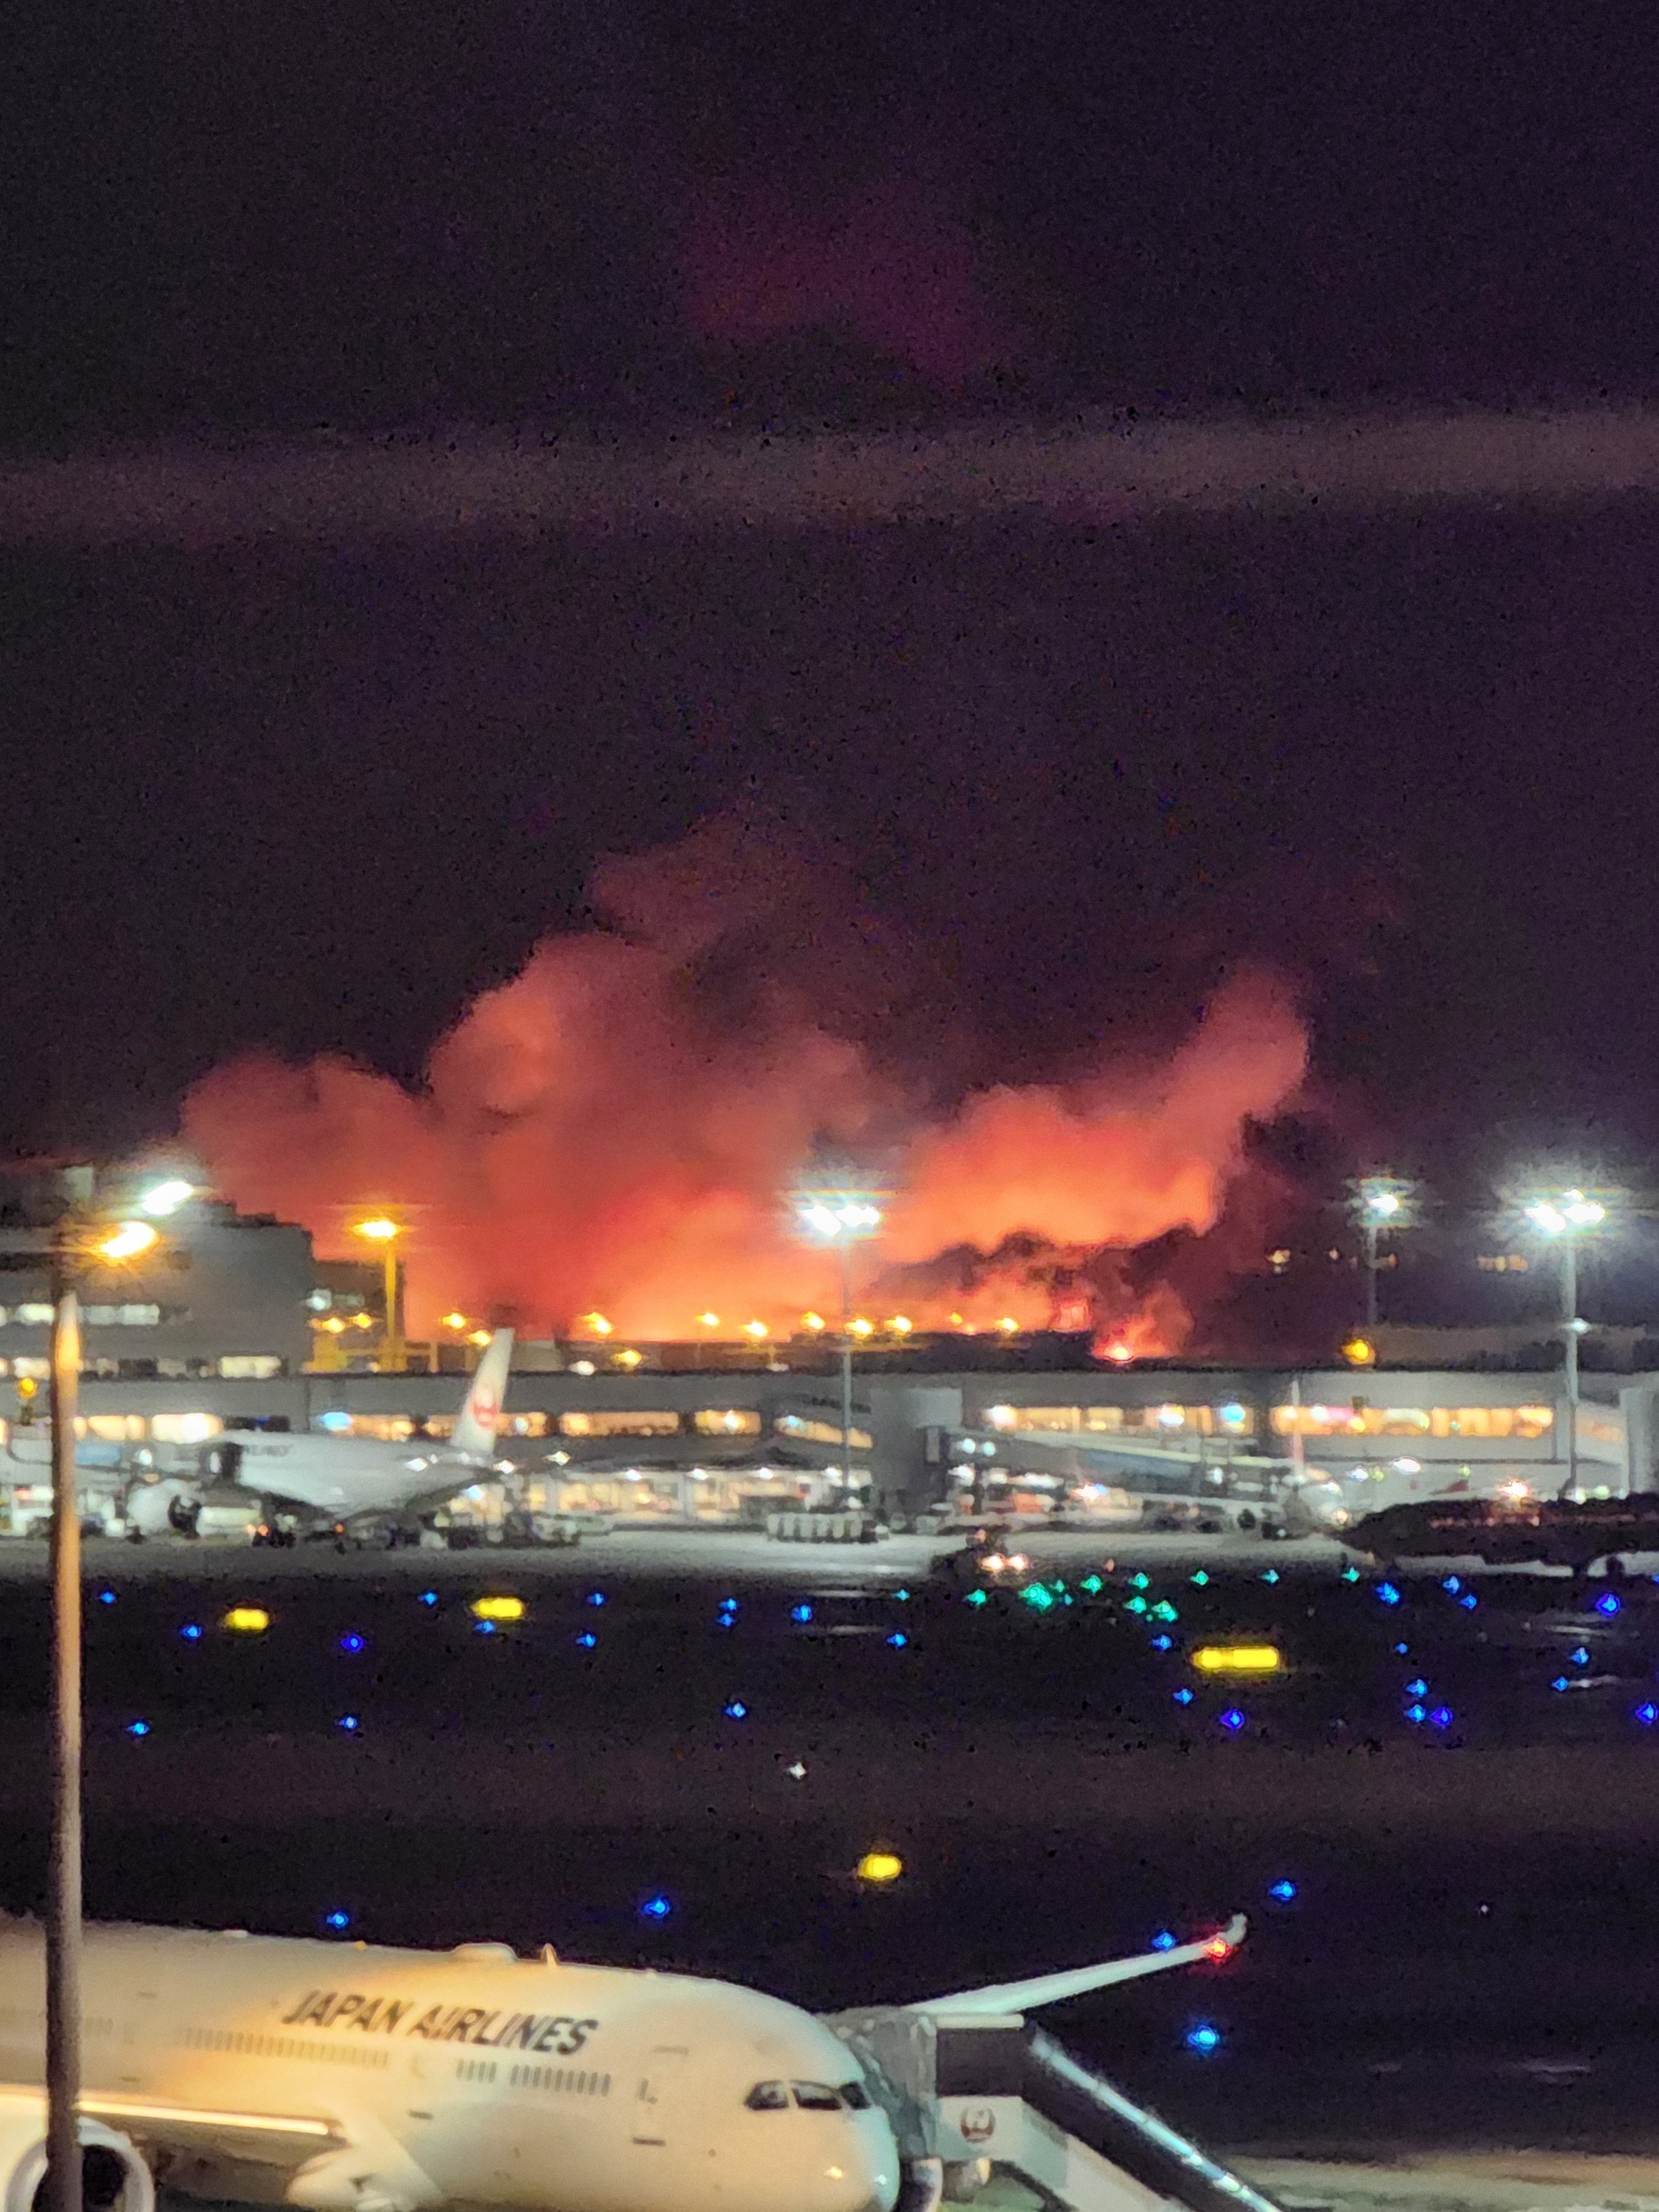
1140	1582
349	1722
427	1597
484	1628
1416	1713
1401	1650
1182	1696
1163	1940
137	1728
1284	1890
1351	1575
106	1597
586	1640
736	1711
1468	1600
1163	1642
656	1908
897	1640
1647	1715
801	1613
1441	1716
336	1919
1200	1579
1271	1576
1388	1593
1203	2038
1420	1688
1580	1657
596	1597
1607	1605
902	1596
1093	1584
1232	1720
1453	1582
353	1641
190	1632
975	1597
1561	1682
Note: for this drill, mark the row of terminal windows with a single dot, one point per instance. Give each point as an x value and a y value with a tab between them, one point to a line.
232	1366
37	1314
1526	1423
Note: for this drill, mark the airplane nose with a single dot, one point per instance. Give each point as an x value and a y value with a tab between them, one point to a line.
868	2169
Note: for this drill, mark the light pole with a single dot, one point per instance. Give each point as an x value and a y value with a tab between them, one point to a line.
837	1218
380	1229
1564	1216
78	1236
1379	1202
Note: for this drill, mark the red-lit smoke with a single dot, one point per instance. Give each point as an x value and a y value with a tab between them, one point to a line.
618	1129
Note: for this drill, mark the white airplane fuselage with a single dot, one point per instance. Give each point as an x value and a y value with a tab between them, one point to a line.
335	2075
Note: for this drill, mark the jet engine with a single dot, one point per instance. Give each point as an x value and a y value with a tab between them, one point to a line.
162	1509
113	2175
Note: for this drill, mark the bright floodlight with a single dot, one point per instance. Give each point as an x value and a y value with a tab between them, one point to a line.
1567	1209
127	1242
1384	1204
834	1216
378	1230
164	1198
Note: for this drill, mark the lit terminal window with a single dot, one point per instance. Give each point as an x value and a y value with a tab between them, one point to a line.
619	1425
818	1432
1165	1420
251	1366
113	1428
726	1421
184	1428
121	1316
1502	1263
1523	1422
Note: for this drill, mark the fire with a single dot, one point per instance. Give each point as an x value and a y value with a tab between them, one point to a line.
601	1149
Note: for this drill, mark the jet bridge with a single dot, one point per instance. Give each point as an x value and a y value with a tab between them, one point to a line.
974	2099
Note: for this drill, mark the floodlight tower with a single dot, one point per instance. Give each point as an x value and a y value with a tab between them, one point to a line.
839	1218
1562	1216
1379	1203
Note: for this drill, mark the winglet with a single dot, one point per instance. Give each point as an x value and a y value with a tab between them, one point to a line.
476	1424
1049	1988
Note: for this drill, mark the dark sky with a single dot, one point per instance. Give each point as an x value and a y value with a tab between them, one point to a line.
314	796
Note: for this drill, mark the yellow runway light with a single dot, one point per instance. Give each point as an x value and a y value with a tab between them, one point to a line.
497	1608
1238	1659
246	1620
880	1867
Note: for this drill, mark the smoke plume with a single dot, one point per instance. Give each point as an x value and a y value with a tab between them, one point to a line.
617	1133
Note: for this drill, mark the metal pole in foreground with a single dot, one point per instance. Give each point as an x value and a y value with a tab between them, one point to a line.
1570	1332
846	1365
63	1886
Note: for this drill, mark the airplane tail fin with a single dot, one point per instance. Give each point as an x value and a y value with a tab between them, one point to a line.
1048	1989
479	1417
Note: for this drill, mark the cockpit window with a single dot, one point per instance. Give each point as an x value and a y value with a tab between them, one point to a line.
769	2097
817	2097
855	2096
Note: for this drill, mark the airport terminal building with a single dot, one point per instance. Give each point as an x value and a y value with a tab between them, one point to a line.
237	1326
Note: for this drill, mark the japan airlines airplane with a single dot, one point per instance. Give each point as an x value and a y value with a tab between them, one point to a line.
337	1479
347	2078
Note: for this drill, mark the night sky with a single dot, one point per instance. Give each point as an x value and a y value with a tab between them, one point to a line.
313	795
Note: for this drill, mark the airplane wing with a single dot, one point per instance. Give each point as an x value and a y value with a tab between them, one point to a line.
1049	1988
279	2139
